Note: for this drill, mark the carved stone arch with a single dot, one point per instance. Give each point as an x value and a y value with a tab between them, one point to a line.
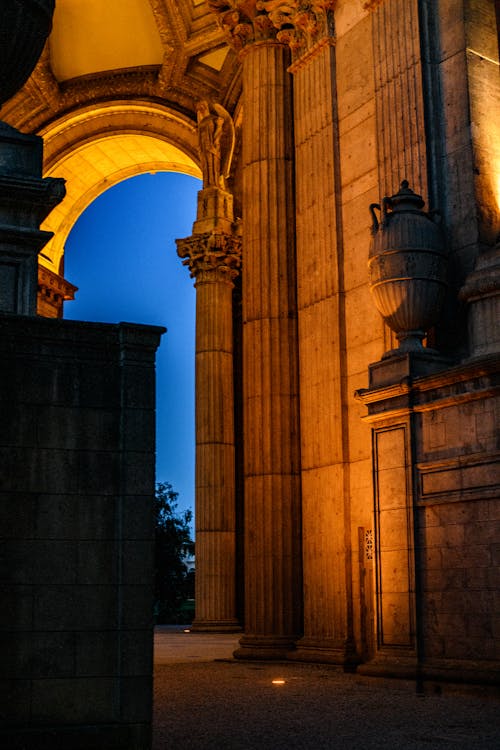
96	146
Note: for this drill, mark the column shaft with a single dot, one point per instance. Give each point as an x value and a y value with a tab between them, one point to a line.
399	98
273	582
324	428
215	471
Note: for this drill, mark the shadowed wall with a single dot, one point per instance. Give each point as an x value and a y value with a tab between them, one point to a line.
77	470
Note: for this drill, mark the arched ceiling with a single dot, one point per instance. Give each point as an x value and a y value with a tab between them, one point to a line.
93	168
114	95
169	50
96	147
92	36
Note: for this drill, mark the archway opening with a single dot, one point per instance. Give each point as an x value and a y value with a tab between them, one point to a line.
131	189
121	255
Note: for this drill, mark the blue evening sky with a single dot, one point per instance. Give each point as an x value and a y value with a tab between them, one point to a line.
121	254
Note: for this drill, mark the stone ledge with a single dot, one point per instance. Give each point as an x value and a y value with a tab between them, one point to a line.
468	477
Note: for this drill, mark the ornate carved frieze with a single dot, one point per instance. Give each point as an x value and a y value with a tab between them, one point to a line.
211	257
372	4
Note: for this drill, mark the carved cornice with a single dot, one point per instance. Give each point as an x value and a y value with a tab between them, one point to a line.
53	290
211	257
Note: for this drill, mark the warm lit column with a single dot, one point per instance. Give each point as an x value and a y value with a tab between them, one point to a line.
273	591
214	261
273	582
324	439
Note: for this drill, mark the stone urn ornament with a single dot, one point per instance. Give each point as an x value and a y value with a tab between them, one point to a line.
407	267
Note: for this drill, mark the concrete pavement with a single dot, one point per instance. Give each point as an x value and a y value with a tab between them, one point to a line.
204	700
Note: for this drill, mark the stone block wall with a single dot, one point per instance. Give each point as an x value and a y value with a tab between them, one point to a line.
458	518
437	516
76	523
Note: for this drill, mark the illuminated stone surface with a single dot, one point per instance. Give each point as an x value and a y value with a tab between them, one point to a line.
366	529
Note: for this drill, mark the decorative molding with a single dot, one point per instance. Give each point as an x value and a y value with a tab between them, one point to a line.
53	290
211	256
43	81
468	477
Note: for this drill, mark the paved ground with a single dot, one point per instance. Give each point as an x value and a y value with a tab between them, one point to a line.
204	700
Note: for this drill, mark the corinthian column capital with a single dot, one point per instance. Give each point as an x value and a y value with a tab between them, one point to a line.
243	22
297	23
211	257
300	23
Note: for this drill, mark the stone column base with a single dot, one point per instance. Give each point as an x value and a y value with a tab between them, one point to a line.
402	667
327	651
216	626
265	648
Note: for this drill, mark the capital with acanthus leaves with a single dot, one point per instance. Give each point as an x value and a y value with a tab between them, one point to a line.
211	257
297	23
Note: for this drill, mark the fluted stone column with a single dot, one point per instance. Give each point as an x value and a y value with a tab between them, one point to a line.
273	582
307	27
214	260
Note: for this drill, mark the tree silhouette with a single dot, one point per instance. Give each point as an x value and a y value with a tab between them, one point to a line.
173	545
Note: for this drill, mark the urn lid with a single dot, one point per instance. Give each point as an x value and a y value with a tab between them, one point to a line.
405	199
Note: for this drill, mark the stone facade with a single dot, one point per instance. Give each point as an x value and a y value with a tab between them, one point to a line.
348	490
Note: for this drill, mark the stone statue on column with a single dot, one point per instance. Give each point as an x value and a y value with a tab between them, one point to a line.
216	138
213	256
